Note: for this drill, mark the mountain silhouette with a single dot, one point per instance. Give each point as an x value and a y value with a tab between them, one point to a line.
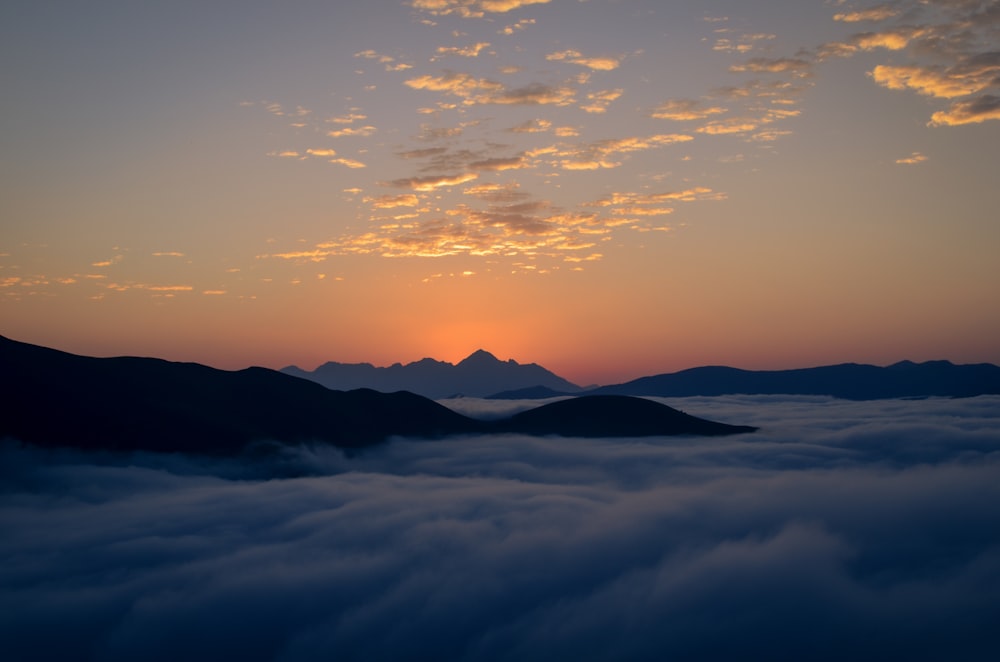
529	393
612	415
57	399
478	375
851	381
126	403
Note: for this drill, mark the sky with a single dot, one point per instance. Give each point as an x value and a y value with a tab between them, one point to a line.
841	530
610	188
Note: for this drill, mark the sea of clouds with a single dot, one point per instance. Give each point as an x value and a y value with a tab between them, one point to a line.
840	530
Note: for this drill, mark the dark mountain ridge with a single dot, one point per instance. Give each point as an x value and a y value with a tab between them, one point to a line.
56	399
851	381
478	375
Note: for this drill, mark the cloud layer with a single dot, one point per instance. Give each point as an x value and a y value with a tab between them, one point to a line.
841	530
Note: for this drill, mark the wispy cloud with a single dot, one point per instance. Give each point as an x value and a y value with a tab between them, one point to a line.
472	50
471	8
685	110
603	63
912	159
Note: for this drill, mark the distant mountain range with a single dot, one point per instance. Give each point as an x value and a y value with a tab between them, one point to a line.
483	375
478	375
850	381
56	399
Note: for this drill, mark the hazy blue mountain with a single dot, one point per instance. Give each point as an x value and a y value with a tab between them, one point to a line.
852	381
478	375
56	399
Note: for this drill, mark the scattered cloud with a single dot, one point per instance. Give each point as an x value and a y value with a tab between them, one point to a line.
912	159
951	51
363	131
349	163
797	66
394	201
471	8
598	102
432	182
972	111
685	110
880	13
516	27
473	50
575	57
532	126
744	44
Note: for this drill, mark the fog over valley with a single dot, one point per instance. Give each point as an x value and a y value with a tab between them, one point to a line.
840	529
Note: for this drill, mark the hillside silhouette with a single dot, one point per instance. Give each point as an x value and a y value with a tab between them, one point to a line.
851	381
612	415
57	399
478	375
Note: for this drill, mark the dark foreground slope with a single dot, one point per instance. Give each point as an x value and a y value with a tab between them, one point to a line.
53	398
851	381
612	416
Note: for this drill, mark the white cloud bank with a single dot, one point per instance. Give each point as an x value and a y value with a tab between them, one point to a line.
841	530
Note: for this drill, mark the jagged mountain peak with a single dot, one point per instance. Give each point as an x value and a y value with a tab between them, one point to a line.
479	374
479	356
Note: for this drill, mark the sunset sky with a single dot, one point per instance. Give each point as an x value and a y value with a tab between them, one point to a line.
611	188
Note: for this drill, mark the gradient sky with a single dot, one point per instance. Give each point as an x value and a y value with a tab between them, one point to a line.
610	188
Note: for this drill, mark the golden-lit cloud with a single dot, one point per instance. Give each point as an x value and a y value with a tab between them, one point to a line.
970	111
471	8
362	131
744	44
473	50
507	193
604	63
629	198
499	164
350	118
324	152
433	182
532	126
349	163
728	126
642	211
394	201
685	110
599	101
460	84
166	288
879	13
912	159
516	27
952	49
928	80
792	65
